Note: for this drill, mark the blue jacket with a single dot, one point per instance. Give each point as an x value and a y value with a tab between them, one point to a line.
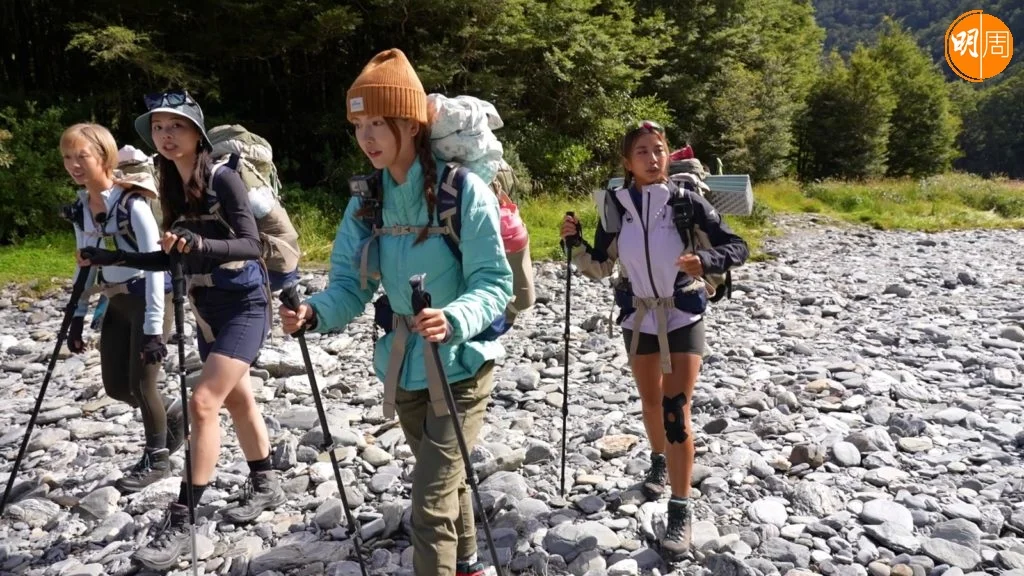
472	293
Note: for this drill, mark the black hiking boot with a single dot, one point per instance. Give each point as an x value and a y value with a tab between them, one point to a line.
679	533
171	543
654	482
152	467
262	491
175	427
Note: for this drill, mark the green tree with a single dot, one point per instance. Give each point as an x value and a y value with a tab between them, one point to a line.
844	129
923	126
993	136
735	76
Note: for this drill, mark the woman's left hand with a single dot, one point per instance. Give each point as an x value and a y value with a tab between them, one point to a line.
182	240
691	264
431	324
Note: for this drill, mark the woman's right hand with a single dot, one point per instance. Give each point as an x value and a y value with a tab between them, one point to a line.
293	320
570	226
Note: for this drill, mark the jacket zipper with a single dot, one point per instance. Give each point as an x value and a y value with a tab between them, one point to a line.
647	246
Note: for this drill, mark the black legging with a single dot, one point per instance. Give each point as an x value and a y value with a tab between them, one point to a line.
125	376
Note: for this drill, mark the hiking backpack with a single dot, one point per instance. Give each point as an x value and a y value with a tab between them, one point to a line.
136	175
448	213
253	158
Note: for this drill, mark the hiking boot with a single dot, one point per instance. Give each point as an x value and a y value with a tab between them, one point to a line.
172	541
152	467
679	532
262	491
175	427
654	483
474	569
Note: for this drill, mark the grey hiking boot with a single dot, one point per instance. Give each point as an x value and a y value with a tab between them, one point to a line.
175	427
679	533
171	543
262	491
654	483
152	467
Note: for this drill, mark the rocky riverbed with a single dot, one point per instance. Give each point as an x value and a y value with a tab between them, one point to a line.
860	411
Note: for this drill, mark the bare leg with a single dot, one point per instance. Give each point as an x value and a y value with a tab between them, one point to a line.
220	376
682	381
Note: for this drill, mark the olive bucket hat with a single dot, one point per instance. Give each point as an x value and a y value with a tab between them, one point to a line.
177	102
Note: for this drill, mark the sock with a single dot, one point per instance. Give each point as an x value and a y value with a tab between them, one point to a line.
470	560
262	465
197	493
682	501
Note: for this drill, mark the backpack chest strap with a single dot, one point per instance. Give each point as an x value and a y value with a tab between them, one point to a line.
400	340
365	275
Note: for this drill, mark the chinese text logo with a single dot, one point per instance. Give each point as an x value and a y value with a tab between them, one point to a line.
978	46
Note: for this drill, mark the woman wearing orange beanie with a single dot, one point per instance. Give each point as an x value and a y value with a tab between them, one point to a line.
388	108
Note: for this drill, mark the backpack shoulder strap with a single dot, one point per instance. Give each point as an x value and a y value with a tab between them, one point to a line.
682	214
78	214
123	215
449	204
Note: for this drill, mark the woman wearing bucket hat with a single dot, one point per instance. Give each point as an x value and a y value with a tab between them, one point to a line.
111	210
208	222
388	108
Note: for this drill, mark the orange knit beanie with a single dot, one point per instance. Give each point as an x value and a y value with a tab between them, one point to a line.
388	86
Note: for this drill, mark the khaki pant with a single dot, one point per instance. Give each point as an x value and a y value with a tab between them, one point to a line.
442	505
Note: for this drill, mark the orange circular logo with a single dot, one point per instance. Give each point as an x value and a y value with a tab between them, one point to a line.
978	46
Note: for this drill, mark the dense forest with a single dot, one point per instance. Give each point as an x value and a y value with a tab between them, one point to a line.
775	88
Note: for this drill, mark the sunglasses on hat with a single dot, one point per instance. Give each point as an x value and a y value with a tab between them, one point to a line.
171	99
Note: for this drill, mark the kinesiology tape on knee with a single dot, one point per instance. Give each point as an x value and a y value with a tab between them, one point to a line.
675	426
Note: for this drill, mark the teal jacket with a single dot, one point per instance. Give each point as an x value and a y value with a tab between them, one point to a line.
472	293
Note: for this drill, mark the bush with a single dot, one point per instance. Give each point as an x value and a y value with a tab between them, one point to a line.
33	183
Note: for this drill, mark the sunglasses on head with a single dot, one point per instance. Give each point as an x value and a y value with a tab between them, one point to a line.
171	99
649	126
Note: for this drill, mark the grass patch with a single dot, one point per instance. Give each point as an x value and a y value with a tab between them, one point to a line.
946	202
40	263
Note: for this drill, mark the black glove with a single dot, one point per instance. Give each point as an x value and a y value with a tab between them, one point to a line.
101	257
75	342
153	349
193	241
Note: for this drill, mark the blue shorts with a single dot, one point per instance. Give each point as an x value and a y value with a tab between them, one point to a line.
238	321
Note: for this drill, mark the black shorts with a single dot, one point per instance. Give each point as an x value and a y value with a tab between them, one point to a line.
686	340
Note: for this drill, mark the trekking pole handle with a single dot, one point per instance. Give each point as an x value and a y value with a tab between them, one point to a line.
290	299
420	297
575	239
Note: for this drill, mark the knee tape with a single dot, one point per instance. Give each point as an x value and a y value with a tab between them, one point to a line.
675	426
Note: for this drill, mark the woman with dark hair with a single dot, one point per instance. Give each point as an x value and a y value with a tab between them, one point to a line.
651	228
387	107
210	226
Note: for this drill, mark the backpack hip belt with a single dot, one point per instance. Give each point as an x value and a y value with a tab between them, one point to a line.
401	325
108	289
640	306
660	307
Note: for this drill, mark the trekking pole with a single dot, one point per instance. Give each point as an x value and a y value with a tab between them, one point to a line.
290	299
569	242
178	285
65	325
421	300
